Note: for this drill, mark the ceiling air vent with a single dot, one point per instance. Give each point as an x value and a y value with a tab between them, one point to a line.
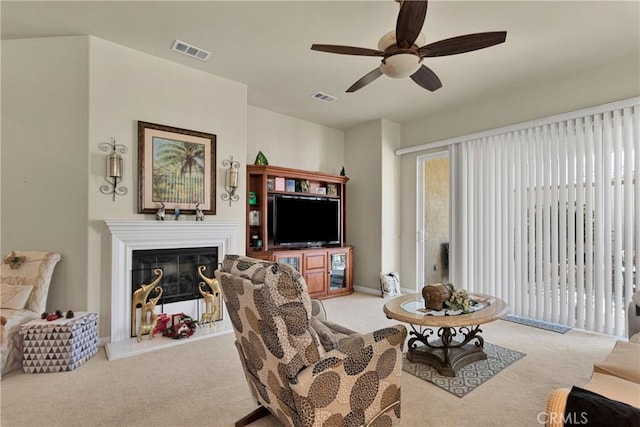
324	97
190	50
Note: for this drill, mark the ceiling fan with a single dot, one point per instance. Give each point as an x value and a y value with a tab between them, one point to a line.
403	50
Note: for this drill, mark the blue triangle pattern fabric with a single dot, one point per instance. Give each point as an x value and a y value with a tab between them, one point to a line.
60	345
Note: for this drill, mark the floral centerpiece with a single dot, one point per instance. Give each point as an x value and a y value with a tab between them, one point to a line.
459	300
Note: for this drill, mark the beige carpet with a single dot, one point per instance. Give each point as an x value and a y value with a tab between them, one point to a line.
201	383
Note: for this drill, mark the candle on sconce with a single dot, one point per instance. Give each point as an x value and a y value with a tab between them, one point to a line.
232	178
114	168
114	165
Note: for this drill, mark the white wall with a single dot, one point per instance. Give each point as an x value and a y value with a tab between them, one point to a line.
364	216
390	198
568	91
373	220
127	86
294	143
45	145
61	97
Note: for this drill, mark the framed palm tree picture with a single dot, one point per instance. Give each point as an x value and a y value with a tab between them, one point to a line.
176	169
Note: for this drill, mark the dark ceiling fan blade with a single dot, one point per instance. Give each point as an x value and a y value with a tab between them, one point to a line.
410	20
365	80
426	78
462	44
346	50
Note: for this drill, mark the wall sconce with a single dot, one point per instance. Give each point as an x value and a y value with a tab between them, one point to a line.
230	180
114	168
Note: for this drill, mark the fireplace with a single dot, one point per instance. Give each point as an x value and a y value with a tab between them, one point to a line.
179	267
180	278
129	236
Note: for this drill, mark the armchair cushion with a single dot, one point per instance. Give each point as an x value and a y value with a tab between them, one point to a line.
355	382
331	334
282	312
327	338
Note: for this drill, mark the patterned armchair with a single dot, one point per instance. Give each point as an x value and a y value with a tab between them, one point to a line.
301	380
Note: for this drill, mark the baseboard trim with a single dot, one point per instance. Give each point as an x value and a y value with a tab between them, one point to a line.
366	290
378	292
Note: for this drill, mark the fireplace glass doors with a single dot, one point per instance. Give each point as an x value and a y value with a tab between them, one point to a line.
179	266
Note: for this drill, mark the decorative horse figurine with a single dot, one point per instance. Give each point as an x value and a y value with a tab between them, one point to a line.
199	213
211	298
140	299
147	327
160	213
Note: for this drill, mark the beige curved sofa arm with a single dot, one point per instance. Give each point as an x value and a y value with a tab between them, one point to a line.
556	404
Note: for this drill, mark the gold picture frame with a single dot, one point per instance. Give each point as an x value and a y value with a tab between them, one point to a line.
177	168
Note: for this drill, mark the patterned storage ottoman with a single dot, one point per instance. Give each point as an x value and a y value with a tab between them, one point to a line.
59	345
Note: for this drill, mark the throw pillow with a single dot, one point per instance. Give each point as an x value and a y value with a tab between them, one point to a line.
14	297
390	284
585	407
327	338
37	271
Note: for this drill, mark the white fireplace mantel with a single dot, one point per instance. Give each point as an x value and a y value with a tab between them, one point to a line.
130	235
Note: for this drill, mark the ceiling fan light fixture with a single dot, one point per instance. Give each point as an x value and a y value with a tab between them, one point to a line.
389	39
400	66
404	49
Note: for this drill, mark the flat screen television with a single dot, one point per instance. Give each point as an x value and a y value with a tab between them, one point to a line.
303	221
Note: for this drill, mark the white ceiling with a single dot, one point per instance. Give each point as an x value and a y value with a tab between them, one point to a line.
266	45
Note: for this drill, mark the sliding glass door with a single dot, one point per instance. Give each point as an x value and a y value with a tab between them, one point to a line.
433	219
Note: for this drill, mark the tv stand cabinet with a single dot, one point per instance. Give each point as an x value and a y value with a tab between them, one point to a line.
328	271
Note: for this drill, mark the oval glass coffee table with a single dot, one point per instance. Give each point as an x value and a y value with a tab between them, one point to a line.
446	342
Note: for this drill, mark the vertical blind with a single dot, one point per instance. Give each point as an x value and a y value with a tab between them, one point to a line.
547	217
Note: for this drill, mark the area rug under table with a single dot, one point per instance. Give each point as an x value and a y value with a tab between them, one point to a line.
470	376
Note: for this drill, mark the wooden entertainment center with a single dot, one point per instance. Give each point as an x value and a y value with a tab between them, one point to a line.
328	269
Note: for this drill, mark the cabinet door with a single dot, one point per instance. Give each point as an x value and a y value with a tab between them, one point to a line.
315	261
337	271
340	270
315	272
292	260
315	282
